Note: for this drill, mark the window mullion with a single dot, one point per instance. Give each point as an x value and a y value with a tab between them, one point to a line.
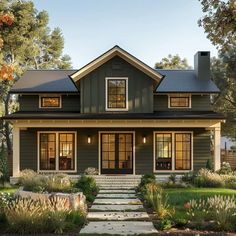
57	151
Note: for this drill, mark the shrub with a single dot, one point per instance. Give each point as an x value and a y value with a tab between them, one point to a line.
88	186
221	209
4	172
31	181
225	169
158	200
209	164
189	177
172	178
91	171
5	199
146	179
207	178
37	216
164	224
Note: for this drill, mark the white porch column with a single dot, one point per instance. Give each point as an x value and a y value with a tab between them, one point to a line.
16	151
217	151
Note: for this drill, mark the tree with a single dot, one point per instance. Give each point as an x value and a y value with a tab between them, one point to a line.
28	44
219	22
172	62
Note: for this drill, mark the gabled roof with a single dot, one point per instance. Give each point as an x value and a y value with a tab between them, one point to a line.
116	51
184	81
45	81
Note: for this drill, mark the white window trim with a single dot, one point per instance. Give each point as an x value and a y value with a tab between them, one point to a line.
57	151
49	96
180	95
99	148
106	94
173	151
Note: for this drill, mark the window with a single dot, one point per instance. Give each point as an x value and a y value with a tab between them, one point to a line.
116	93
57	151
173	151
180	101
48	102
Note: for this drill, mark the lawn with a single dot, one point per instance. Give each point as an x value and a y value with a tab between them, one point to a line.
8	189
178	197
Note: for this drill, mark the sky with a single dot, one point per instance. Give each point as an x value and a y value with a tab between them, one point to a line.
148	29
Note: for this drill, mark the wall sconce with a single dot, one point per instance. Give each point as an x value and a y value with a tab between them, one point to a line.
144	139
89	139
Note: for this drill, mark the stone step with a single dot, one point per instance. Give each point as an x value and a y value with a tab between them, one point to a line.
118	227
116	208
117	216
116	195
117	191
118	185
116	188
133	201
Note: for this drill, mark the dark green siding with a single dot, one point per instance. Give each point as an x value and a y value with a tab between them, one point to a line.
28	149
31	103
140	87
199	103
87	154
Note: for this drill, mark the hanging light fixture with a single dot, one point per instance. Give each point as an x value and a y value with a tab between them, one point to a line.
89	139
144	139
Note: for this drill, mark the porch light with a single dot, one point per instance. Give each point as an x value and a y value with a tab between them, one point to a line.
144	139
89	139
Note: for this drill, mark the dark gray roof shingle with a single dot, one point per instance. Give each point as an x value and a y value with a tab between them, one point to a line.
41	81
184	81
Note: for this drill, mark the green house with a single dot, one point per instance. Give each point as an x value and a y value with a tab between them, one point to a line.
118	115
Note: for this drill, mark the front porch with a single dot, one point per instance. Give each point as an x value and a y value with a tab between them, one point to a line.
137	154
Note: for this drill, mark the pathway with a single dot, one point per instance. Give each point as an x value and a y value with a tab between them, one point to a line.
117	211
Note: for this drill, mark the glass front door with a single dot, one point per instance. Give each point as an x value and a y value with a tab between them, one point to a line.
116	153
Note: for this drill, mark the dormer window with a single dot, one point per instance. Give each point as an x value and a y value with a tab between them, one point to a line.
50	102
179	101
117	94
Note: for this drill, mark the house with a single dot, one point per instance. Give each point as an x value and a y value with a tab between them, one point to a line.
118	115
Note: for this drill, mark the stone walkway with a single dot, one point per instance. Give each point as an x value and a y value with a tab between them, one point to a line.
118	212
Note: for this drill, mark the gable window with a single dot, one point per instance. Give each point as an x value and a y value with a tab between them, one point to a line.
173	151
50	102
179	101
56	151
116	93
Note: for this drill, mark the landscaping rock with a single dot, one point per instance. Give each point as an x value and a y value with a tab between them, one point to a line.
74	201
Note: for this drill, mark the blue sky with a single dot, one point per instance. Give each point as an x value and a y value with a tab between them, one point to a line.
148	29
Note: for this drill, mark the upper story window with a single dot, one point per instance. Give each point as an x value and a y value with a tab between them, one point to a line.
50	102
179	101
116	94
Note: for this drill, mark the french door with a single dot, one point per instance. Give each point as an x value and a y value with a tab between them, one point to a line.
116	153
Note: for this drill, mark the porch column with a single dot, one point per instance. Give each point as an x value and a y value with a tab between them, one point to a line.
217	151
16	151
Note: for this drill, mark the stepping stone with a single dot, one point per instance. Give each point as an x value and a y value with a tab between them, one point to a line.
117	216
113	201
116	195
116	188
117	191
118	227
116	208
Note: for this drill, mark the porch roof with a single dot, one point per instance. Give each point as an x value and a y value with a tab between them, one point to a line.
80	116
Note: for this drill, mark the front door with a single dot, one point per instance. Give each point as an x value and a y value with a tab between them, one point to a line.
116	153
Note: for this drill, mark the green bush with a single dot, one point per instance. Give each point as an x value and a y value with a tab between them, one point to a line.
4	171
225	169
88	186
146	179
189	177
209	165
164	224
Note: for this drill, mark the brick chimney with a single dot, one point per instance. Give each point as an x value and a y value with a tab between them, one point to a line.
202	65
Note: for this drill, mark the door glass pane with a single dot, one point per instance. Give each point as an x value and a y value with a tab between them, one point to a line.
108	151
66	151
47	151
125	151
183	151
163	153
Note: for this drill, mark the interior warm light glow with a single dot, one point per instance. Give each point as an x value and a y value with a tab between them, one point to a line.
144	139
